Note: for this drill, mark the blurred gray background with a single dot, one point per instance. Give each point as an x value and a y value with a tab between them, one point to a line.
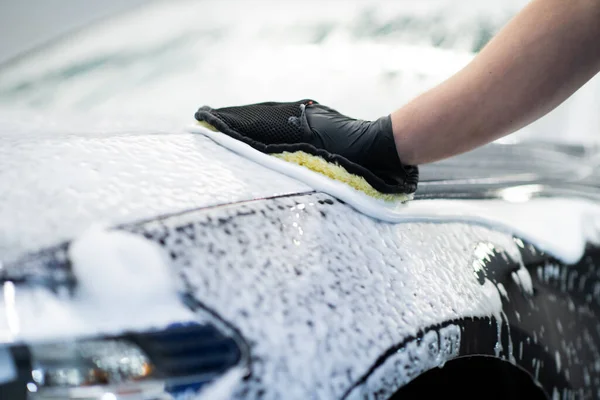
26	24
151	58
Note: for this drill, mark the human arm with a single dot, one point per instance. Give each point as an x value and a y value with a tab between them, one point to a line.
539	59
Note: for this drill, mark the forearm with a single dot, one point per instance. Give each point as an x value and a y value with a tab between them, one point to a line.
549	50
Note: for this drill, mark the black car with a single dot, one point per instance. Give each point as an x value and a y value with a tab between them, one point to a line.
140	260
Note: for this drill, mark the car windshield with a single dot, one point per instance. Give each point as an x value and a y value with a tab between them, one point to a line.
366	58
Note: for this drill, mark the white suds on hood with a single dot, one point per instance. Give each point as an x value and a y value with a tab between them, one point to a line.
559	226
124	282
126	279
121	271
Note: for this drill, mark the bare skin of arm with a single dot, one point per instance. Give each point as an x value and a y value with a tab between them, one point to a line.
538	60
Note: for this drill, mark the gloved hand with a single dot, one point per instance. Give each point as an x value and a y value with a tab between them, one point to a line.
364	148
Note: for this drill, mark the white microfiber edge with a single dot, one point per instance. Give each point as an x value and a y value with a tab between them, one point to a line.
558	226
379	209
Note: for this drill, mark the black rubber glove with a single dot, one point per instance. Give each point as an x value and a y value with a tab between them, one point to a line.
365	148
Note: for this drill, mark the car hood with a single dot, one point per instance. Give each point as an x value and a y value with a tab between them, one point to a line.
61	174
294	267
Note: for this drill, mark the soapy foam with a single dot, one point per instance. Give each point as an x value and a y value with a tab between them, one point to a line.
394	256
124	283
378	208
319	313
560	226
417	356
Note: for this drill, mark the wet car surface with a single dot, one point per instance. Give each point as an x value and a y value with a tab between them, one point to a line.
286	292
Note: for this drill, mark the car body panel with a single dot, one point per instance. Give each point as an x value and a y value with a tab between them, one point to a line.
329	302
321	292
358	307
68	172
335	304
59	182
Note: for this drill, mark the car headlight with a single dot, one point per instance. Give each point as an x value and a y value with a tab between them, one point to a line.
156	365
73	368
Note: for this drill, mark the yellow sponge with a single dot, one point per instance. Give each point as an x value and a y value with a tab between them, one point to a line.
207	126
339	173
330	170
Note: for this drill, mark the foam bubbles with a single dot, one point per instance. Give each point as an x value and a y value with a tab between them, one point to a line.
118	269
124	283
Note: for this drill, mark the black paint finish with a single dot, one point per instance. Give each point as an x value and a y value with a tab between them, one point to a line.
552	333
